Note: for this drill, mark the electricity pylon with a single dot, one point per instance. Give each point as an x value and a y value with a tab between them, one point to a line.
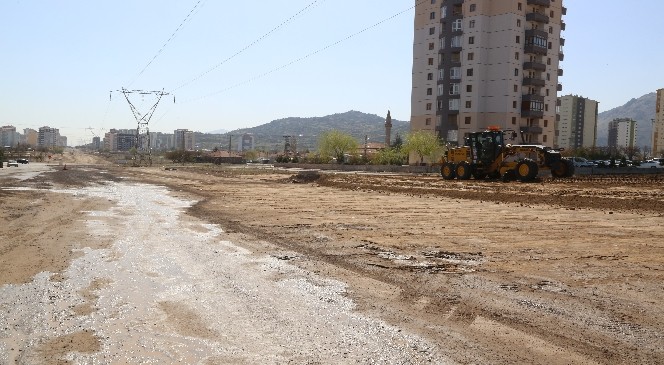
142	142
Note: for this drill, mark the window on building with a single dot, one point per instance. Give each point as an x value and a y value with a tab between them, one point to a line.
427	121
432	15
441	74
518	6
469	72
455	72
544	138
548	61
443	12
548	77
516	56
466	120
551	30
473	7
518	39
471	40
514	104
468	104
469	88
471	55
440	90
453	104
516	88
513	120
454	89
432	46
518	23
546	107
429	91
433	1
546	122
547	92
442	43
432	30
551	14
550	45
516	72
457	25
456	41
471	24
430	76
430	61
429	105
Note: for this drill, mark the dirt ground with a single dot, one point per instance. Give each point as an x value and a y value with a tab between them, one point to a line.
559	272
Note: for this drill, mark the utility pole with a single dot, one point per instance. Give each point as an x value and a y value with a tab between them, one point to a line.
230	143
142	141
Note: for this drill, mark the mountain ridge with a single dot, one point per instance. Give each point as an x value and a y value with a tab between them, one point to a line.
641	109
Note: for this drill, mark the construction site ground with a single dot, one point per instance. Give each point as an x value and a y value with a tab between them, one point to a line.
566	271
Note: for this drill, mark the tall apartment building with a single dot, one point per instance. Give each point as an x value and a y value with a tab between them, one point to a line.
184	140
481	63
246	143
577	125
30	136
48	137
658	126
622	133
8	136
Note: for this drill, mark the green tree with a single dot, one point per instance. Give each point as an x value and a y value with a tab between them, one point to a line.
336	144
424	144
390	156
251	155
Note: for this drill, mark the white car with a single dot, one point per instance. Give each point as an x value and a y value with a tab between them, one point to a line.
650	165
11	163
581	162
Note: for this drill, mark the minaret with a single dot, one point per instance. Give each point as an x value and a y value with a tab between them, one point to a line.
388	129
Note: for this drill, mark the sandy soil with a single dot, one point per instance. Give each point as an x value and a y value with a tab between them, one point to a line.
556	272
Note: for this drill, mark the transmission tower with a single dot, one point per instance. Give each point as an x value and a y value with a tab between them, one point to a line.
142	141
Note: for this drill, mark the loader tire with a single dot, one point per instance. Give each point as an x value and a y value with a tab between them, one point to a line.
526	170
463	171
448	171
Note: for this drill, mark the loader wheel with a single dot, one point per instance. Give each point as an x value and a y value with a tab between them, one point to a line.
463	171
526	170
562	168
448	171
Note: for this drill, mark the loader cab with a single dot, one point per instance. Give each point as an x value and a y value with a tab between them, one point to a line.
485	146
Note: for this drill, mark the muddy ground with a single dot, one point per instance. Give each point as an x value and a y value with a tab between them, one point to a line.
561	272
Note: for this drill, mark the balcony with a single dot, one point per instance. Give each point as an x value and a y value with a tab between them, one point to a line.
537	33
533	97
535	49
561	56
535	66
560	72
564	10
562	42
545	3
530	81
537	17
559	87
532	114
531	130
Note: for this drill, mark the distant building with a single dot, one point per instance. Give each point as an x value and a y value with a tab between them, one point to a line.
8	136
622	133
125	141
246	143
30	137
48	137
485	63
96	143
577	126
658	126
184	140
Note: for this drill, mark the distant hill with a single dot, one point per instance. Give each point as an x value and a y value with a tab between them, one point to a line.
642	110
218	131
270	136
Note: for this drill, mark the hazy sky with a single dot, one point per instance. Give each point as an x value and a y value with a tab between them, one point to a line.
59	60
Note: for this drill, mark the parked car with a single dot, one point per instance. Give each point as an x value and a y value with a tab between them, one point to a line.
581	162
650	165
22	160
11	163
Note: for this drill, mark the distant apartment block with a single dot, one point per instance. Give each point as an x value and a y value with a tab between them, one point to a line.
484	63
48	137
184	140
116	140
658	126
8	136
577	126
622	133
30	137
246	143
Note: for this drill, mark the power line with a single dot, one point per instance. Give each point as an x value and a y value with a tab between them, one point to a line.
309	55
167	42
259	39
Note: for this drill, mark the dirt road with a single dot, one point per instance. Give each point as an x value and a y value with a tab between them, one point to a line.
471	272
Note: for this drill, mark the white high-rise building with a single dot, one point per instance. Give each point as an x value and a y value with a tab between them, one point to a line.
577	125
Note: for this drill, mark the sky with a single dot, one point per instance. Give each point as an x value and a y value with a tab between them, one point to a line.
230	65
